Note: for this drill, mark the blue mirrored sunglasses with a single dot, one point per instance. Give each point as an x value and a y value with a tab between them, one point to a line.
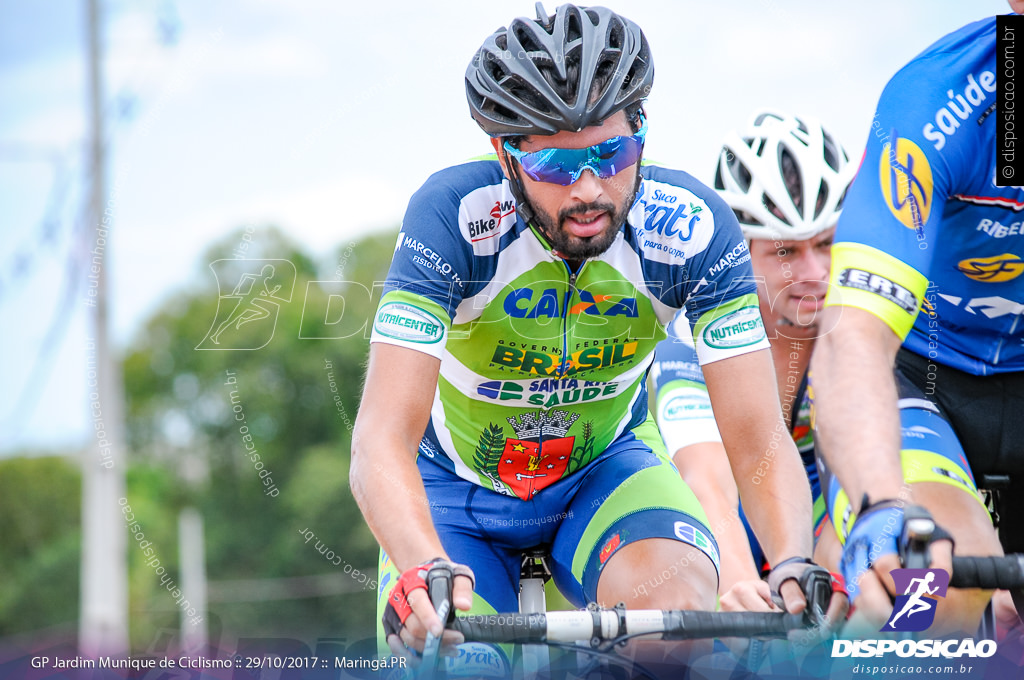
564	166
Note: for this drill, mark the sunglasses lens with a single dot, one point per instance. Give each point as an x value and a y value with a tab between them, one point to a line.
564	166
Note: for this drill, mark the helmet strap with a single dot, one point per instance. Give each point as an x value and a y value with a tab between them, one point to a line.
515	184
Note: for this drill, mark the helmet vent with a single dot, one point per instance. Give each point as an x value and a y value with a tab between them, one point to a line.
819	203
763	117
739	171
616	38
494	67
743	217
527	42
791	177
574	27
839	203
831	152
774	209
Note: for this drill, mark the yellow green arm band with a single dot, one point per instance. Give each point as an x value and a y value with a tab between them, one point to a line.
869	279
730	329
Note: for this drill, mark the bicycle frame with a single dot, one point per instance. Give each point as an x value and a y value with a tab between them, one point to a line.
533	574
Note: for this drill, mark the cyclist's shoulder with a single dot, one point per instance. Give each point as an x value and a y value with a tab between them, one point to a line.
661	183
472	198
464	178
956	52
950	82
683	212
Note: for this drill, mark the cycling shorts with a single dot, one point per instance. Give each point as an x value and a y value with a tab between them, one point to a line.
631	492
930	452
985	413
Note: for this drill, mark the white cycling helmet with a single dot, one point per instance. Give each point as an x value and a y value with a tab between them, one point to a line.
785	178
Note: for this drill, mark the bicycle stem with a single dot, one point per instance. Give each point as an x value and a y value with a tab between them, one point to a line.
914	540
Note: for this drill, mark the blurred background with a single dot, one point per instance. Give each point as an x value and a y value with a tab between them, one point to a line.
148	149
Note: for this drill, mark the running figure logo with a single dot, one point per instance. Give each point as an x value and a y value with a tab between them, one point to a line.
258	288
914	610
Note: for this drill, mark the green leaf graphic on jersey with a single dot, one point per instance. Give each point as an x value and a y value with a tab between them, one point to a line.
489	448
488	452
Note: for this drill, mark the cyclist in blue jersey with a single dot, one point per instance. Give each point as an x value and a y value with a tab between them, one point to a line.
926	278
785	179
505	404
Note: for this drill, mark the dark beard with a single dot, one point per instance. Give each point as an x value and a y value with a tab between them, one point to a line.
576	248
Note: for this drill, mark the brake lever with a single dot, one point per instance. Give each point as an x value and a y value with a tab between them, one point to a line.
439	586
816	585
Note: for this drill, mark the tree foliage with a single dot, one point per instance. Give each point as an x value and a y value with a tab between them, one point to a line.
40	541
258	440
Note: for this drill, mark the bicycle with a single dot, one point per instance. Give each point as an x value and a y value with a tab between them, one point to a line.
596	632
599	629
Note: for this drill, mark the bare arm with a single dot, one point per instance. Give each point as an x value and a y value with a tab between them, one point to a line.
392	418
705	468
857	426
765	463
386	483
857	430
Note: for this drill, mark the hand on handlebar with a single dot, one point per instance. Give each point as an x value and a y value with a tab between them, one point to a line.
752	595
801	586
888	535
410	615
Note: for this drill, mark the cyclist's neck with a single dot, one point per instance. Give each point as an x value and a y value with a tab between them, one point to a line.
791	359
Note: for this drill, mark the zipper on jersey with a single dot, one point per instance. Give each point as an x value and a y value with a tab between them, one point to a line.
573	275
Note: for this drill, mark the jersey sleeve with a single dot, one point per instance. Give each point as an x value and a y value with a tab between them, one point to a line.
682	405
428	273
721	292
888	232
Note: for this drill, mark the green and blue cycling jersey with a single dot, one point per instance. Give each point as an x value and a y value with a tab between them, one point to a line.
539	432
543	367
925	224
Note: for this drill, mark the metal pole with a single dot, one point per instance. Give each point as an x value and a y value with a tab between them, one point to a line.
103	626
194	636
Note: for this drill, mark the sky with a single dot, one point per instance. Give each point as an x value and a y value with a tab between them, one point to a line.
323	117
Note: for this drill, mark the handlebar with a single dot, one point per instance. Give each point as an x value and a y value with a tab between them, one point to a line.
1006	572
600	625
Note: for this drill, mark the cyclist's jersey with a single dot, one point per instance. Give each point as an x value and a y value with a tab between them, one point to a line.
542	367
683	407
684	415
924	224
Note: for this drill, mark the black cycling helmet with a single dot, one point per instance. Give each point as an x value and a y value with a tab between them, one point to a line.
565	72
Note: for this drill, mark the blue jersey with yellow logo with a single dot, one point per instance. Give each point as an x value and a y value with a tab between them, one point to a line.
543	367
925	227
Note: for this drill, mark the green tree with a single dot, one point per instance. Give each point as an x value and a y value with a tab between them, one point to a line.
40	543
291	403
